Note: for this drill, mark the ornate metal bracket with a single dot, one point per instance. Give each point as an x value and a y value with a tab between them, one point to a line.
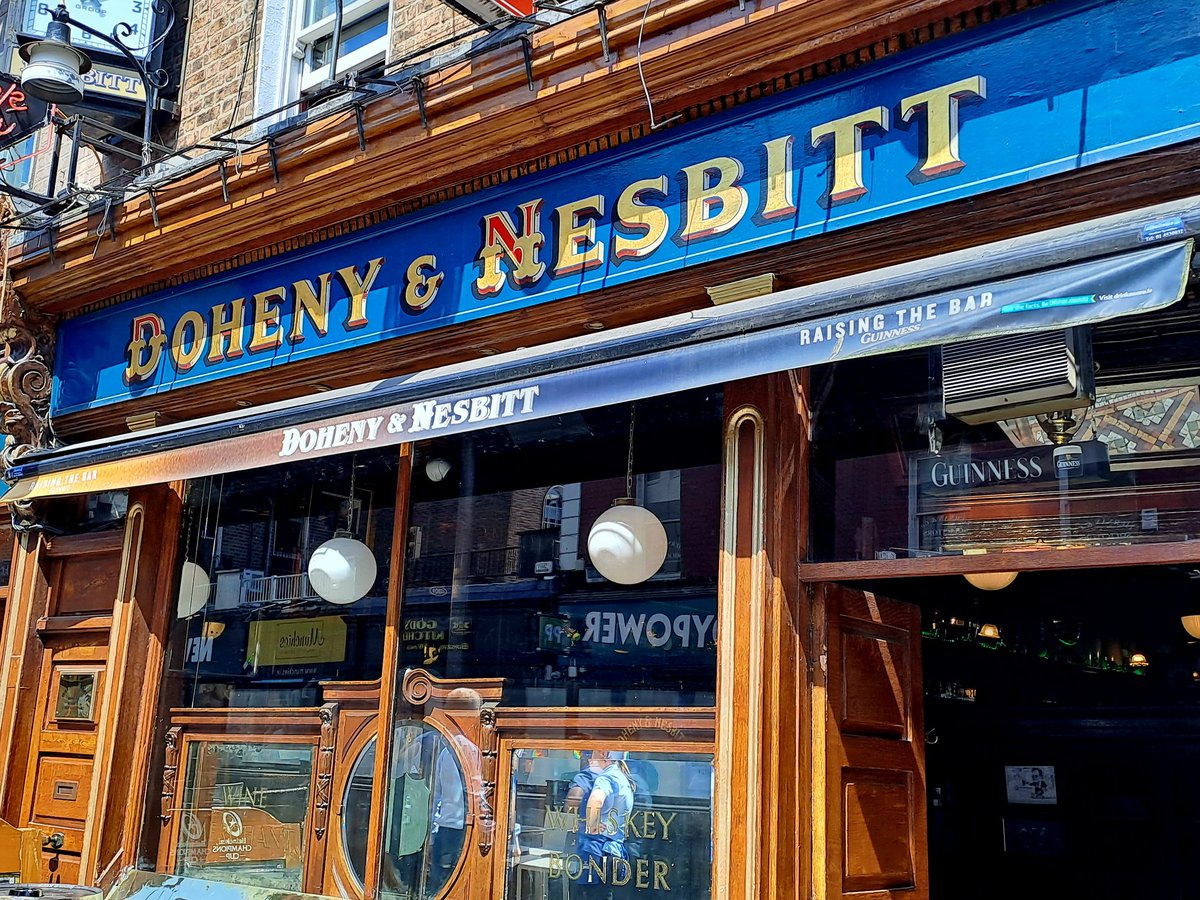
26	352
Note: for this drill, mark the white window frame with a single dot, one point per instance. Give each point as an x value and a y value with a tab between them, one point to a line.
284	72
306	38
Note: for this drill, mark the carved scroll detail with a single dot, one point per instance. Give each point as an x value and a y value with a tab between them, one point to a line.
417	687
487	787
26	353
325	753
170	773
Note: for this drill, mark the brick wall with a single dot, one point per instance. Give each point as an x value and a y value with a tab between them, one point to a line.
223	40
417	24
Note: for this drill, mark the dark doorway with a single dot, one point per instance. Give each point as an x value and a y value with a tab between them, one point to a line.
1062	719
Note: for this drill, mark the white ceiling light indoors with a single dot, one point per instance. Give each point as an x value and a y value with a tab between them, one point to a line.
194	589
343	569
627	544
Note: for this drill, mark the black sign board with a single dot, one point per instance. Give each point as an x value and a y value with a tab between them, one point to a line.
20	114
953	473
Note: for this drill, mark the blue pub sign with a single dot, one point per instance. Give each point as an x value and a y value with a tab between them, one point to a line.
1054	89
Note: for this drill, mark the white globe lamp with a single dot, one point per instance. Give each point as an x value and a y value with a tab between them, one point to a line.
627	543
991	581
194	588
437	469
342	570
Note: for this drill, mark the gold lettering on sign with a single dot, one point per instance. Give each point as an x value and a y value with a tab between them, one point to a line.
226	336
640	227
715	200
312	303
779	190
940	105
421	282
357	288
267	335
845	136
145	349
186	350
578	250
505	245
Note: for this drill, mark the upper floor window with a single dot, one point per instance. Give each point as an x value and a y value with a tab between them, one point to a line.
364	38
291	68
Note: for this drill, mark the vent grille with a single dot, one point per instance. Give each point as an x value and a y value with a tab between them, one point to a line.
998	378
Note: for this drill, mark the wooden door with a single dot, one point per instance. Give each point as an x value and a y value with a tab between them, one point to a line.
870	777
94	608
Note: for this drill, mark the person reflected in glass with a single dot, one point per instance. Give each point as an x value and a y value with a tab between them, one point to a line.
601	842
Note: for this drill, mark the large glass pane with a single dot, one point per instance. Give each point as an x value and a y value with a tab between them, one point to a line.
500	580
243	813
895	476
426	816
605	823
256	632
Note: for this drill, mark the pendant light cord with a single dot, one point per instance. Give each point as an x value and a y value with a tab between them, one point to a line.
629	458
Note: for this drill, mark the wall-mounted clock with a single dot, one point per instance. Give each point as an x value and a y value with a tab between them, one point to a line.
103	15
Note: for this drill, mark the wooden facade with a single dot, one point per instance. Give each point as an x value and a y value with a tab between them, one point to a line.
817	732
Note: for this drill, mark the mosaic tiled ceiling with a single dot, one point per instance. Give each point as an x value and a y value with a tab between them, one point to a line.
1155	420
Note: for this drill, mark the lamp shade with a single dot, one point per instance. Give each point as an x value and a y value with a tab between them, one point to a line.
194	588
627	544
53	67
342	570
991	581
437	469
1191	624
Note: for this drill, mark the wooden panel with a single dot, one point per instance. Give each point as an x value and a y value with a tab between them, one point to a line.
875	680
763	838
62	790
1166	553
870	792
86	584
60	868
878	846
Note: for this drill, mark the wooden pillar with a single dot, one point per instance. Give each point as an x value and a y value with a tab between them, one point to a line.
762	841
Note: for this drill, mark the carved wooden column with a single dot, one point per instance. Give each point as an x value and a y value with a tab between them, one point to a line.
761	848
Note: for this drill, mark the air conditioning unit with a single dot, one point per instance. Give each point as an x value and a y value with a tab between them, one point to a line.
1021	375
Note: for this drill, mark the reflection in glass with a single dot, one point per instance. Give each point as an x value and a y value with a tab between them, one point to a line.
356	811
607	823
261	635
498	581
894	477
426	815
243	813
76	694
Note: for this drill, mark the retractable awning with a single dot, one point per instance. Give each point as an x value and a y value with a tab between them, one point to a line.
959	296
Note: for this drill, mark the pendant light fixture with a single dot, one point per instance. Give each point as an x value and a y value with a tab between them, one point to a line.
627	544
1191	624
991	581
343	569
194	584
194	589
